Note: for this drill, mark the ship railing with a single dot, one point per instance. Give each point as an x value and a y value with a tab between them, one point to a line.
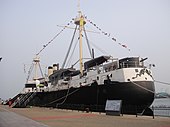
16	101
24	98
129	65
161	110
29	98
20	100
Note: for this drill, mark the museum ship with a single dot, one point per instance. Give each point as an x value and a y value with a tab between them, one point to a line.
97	80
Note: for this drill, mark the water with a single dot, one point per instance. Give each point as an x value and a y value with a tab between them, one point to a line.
161	107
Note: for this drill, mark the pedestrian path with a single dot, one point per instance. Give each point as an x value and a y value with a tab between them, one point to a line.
41	117
11	119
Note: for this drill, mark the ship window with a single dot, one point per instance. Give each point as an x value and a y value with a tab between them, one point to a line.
97	77
129	62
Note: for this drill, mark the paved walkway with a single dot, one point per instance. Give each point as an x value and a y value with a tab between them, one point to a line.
11	119
34	116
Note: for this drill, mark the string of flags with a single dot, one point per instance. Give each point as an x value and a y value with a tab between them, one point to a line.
24	68
44	46
107	34
103	32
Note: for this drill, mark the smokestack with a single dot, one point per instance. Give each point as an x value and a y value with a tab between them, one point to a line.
55	67
50	71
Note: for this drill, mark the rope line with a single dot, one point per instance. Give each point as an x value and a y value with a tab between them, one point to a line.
44	46
88	44
68	94
41	71
64	98
63	65
162	82
69	60
142	87
29	72
107	34
97	47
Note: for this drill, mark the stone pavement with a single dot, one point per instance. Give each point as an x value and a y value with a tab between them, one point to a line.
11	119
69	118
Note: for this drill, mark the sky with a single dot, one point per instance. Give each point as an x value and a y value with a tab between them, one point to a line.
27	25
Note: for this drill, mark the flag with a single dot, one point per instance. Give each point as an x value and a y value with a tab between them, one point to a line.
24	69
124	46
114	39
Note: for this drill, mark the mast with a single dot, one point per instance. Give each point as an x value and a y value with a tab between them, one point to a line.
35	67
36	61
80	21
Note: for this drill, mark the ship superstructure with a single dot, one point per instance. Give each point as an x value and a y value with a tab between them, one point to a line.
96	81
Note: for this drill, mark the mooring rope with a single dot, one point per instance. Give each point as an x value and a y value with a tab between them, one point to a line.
142	87
68	94
165	83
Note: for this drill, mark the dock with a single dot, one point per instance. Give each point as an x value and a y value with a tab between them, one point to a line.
50	117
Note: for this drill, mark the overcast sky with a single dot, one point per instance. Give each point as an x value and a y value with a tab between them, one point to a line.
27	25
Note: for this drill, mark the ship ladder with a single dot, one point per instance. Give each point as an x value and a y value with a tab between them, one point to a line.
23	100
19	100
29	98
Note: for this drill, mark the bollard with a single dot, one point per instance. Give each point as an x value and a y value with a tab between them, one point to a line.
122	111
153	112
136	111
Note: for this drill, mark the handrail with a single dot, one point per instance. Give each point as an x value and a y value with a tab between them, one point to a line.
23	97
29	98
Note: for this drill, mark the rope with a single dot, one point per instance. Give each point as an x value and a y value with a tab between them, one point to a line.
29	72
142	87
107	34
69	47
68	94
40	70
44	46
101	50
88	44
69	61
165	83
62	97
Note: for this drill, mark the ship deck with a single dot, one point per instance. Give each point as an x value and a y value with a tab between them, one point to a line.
46	117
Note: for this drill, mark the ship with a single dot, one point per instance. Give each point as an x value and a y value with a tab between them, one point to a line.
97	80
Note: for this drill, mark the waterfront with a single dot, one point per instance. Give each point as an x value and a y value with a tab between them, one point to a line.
47	117
161	107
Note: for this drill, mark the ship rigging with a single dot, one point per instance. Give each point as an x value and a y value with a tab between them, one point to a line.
96	81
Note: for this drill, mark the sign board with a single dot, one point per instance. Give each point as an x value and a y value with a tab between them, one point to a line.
113	107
